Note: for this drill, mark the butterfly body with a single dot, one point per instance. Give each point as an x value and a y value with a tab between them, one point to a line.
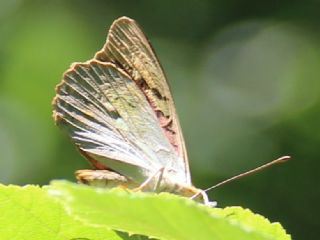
165	183
118	110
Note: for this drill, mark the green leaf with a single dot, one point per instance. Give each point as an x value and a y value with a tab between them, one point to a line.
70	211
30	213
163	216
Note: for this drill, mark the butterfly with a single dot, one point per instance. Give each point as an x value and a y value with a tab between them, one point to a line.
118	110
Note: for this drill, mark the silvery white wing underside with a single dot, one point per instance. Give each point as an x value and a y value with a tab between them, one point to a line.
119	114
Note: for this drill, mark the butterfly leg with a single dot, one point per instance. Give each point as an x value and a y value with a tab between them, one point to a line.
204	198
157	185
146	183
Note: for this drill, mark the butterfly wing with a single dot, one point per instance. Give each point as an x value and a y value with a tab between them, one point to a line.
128	48
110	120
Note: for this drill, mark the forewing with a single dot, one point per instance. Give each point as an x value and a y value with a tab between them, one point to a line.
108	117
128	48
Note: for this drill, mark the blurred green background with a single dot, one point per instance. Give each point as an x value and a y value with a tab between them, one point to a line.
245	78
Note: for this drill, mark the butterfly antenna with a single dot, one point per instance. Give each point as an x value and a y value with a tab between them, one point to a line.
264	166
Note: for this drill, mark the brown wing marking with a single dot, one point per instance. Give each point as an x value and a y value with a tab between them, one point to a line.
128	48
